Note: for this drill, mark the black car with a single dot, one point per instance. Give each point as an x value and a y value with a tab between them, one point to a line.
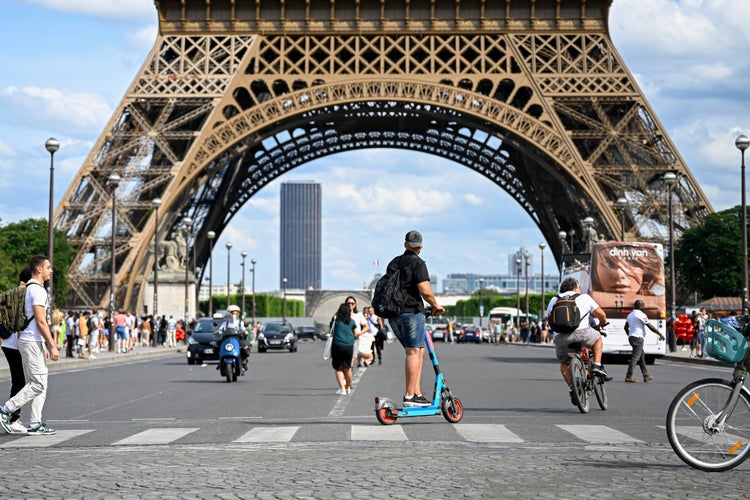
202	344
307	332
277	336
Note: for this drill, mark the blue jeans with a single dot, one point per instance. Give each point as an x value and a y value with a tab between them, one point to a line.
408	329
702	342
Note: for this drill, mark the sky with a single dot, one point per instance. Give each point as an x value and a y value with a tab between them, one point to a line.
66	65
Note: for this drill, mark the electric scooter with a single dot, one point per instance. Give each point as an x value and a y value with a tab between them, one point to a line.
230	359
443	400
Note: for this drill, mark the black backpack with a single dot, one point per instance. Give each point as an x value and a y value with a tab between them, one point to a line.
565	315
388	299
91	324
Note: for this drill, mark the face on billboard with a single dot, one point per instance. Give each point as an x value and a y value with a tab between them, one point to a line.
624	272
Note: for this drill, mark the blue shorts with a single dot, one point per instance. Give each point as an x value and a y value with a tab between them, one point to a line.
408	329
122	333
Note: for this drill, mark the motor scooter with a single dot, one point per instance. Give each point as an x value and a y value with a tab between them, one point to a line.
230	359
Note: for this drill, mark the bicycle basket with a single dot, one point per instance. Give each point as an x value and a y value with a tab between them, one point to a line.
724	342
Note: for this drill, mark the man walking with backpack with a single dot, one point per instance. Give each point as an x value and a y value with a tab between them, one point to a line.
408	326
570	315
31	345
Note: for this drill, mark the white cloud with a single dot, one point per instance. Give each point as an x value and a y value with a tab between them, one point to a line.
130	9
74	112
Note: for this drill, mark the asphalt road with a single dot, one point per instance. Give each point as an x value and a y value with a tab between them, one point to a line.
157	427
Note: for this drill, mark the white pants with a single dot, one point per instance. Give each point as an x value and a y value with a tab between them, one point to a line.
35	372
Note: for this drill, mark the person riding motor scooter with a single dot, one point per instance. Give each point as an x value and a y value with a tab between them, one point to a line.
234	322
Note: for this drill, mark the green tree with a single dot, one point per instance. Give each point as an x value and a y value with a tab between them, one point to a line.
708	258
22	240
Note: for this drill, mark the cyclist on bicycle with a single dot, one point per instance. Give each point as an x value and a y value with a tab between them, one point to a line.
591	314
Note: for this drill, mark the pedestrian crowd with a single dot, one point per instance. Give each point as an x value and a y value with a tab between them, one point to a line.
83	334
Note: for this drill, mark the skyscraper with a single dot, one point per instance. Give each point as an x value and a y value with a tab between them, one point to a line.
301	238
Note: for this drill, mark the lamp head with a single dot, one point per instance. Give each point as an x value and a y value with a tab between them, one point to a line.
670	178
156	202
542	246
114	180
622	202
742	142
229	245
210	235
52	145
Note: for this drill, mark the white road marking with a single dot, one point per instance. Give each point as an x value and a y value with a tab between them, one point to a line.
161	435
600	434
487	433
268	435
378	433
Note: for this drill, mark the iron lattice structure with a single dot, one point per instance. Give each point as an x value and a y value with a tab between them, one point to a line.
531	94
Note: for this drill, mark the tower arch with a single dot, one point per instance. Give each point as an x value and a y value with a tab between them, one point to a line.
533	97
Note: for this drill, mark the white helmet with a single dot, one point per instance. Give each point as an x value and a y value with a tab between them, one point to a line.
232	309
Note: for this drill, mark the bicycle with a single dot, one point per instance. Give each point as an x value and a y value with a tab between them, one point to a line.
583	379
708	421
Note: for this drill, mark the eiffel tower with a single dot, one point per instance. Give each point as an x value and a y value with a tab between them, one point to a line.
532	94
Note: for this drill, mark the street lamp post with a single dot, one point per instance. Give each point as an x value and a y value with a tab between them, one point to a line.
114	181
542	246
253	262
188	222
52	145
562	235
242	313
742	143
283	300
211	235
670	179
229	279
518	294
481	305
526	276
156	203
622	203
588	224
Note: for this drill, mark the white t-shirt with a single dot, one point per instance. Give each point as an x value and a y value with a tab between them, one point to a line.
359	319
11	342
36	295
585	304
637	321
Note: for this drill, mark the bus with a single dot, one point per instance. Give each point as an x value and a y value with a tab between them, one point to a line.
505	314
616	275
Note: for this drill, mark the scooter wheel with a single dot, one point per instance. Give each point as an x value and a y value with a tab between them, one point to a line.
384	416
453	413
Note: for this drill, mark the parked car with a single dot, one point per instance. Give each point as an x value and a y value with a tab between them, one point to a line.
202	344
280	335
307	332
440	333
471	334
486	335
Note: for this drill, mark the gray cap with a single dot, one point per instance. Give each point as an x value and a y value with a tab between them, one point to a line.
414	239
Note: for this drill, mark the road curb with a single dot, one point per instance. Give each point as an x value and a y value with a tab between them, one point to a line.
101	359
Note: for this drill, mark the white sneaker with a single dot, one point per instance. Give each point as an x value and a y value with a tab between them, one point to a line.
341	392
92	357
17	428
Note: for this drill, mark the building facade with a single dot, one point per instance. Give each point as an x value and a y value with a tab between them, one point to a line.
301	235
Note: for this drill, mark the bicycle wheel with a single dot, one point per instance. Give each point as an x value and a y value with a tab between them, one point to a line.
601	393
693	433
578	384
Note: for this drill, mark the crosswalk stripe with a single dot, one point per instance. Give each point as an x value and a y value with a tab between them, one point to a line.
378	433
600	434
45	441
487	433
157	436
268	435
